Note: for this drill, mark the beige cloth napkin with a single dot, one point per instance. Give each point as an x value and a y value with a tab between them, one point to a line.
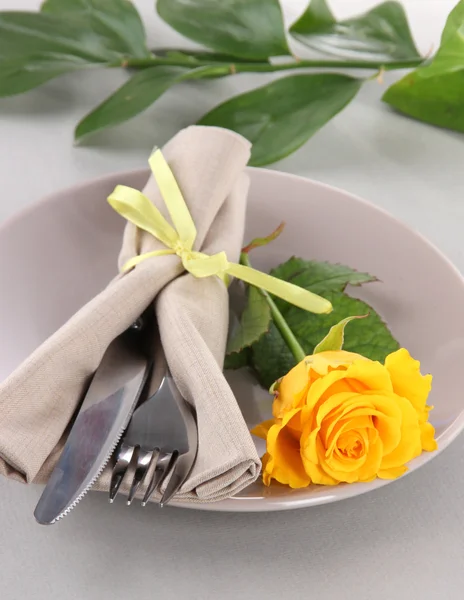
38	400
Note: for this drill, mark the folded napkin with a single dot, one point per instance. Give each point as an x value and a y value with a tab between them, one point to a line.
38	400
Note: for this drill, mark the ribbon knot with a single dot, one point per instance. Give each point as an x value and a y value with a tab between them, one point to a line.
181	251
185	254
180	237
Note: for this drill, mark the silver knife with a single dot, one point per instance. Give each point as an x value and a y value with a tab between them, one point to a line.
104	415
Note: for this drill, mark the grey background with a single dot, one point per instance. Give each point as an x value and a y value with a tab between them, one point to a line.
404	540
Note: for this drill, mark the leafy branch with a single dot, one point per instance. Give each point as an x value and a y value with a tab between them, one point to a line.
238	37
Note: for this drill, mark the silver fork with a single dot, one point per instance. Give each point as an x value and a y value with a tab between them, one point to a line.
162	442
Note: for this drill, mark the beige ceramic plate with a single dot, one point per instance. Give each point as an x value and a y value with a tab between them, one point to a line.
60	252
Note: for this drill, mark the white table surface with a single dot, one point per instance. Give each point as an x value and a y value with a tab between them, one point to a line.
403	541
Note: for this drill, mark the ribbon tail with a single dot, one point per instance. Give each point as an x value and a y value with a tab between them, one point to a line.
282	289
133	262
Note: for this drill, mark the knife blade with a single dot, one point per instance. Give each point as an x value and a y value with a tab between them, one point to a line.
102	418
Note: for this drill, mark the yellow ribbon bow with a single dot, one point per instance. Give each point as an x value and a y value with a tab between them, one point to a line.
137	208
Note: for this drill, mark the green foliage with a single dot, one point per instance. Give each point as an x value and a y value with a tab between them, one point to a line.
238	36
382	33
251	29
434	93
254	322
281	116
270	356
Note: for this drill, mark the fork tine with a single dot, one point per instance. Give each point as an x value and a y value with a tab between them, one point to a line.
179	473
158	462
169	470
175	481
124	457
144	459
163	468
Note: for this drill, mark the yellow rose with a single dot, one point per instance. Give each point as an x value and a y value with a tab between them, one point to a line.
339	417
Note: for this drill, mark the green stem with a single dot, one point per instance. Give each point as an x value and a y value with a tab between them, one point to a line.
320	64
278	319
264	67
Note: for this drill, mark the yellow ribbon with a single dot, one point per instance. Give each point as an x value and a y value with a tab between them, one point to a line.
179	239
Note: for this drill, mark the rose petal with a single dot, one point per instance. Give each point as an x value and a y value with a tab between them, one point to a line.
323	362
339	401
292	390
342	426
410	443
408	381
388	427
339	463
392	473
309	446
387	419
371	375
267	469
332	468
428	441
373	460
353	407
262	429
284	463
314	470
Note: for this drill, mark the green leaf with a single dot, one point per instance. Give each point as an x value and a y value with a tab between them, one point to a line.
454	23
116	21
254	322
237	360
438	100
135	96
131	99
434	93
20	74
450	55
23	34
319	277
271	358
36	47
370	337
281	116
252	29
382	33
335	338
317	17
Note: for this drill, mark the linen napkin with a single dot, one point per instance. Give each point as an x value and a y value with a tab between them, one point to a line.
38	400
